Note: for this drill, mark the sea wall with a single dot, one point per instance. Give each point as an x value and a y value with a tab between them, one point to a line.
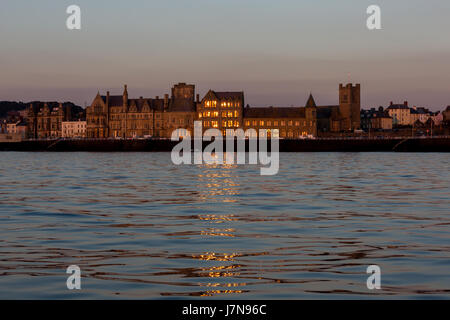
286	145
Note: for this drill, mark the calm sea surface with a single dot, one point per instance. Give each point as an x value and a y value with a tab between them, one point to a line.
140	227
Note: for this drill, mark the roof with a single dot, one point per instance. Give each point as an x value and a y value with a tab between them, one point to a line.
311	103
397	106
182	105
274	112
229	95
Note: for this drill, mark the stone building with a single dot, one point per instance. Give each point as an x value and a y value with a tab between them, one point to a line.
375	119
46	121
74	129
221	110
121	117
291	122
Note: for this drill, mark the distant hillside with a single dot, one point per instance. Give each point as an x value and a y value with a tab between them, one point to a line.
6	106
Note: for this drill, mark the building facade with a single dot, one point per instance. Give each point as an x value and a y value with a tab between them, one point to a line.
46	122
74	129
121	117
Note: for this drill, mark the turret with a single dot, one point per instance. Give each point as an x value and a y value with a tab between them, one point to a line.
125	97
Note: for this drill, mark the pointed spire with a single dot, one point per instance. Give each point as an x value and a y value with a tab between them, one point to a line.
311	103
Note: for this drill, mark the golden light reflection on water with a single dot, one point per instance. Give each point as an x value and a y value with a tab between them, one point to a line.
219	182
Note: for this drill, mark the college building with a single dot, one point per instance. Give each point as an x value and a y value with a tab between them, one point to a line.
118	116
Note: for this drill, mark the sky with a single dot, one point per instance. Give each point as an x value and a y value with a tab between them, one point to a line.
277	52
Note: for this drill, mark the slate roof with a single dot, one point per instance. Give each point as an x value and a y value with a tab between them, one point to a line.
274	112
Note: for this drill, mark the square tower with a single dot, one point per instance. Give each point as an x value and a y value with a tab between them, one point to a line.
349	107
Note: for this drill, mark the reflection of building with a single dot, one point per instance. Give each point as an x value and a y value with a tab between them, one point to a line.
74	129
119	116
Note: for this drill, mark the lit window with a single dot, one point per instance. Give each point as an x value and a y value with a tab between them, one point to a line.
224	124
254	123
261	123
200	115
236	124
230	124
236	114
230	114
283	123
269	123
214	124
297	123
247	123
290	122
275	123
215	114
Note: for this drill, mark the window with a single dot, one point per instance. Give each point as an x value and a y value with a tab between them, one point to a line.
269	123
254	123
297	123
230	124
247	123
215	124
275	123
290	123
215	114
261	123
199	114
283	123
230	114
224	114
224	124
236	114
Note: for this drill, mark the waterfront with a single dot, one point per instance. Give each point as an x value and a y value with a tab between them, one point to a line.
140	227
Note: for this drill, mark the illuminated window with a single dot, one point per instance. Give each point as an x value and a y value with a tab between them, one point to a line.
215	124
200	115
297	123
229	104
230	124
269	123
290	123
224	114
275	123
207	103
215	114
208	114
283	123
247	123
230	114
236	124
223	104
254	123
224	124
206	123
236	114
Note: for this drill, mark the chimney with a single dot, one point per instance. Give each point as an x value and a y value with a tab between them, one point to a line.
406	103
166	101
198	98
391	103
